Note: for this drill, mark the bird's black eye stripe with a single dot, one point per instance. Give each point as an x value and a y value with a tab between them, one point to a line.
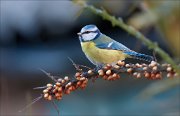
86	32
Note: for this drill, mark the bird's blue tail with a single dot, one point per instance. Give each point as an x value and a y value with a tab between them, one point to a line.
140	56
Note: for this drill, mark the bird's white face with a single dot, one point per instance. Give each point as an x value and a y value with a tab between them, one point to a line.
88	33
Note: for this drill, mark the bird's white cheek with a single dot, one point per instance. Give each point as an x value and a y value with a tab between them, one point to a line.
89	36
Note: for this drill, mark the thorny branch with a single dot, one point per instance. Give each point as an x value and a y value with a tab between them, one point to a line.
66	85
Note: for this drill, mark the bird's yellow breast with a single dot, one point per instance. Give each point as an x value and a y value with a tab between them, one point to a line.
98	55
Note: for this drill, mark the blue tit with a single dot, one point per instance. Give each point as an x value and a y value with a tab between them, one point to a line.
101	49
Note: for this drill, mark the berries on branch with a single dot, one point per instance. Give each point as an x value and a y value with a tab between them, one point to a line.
66	85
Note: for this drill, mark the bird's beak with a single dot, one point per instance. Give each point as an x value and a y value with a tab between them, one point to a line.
79	33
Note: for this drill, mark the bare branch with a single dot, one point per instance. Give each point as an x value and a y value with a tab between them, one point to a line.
34	101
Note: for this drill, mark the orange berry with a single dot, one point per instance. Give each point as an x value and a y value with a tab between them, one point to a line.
60	89
45	91
82	78
60	79
158	76
169	69
169	75
127	65
63	81
145	68
70	88
49	88
105	67
108	72
79	83
138	75
116	66
66	78
105	77
110	78
129	70
57	94
77	74
154	68
108	66
90	71
135	74
153	63
138	65
101	72
67	91
152	76
147	75
121	63
49	97
49	85
115	75
46	95
58	84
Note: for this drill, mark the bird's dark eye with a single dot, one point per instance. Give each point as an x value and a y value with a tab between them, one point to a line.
87	32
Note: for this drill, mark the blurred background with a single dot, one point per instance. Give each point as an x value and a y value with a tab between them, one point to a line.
43	34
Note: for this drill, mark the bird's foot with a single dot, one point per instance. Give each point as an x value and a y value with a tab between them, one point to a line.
84	74
98	67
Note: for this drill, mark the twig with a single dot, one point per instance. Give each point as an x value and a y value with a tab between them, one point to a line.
34	101
83	66
77	66
56	108
74	64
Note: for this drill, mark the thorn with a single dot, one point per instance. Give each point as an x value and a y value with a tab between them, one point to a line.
43	87
77	65
34	101
74	64
48	74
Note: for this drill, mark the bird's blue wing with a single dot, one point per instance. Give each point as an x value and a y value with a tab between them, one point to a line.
113	45
120	47
105	42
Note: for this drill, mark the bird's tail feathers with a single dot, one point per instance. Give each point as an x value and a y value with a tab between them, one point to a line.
140	56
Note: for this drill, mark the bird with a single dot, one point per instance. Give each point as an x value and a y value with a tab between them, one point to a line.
101	49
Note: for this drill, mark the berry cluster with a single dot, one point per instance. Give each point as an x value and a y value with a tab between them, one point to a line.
64	86
108	72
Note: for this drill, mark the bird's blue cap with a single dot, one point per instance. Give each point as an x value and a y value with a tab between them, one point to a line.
90	28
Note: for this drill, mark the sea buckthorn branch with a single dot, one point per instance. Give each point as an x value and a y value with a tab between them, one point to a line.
66	85
108	72
119	23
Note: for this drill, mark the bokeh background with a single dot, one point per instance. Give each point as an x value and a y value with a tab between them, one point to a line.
43	34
